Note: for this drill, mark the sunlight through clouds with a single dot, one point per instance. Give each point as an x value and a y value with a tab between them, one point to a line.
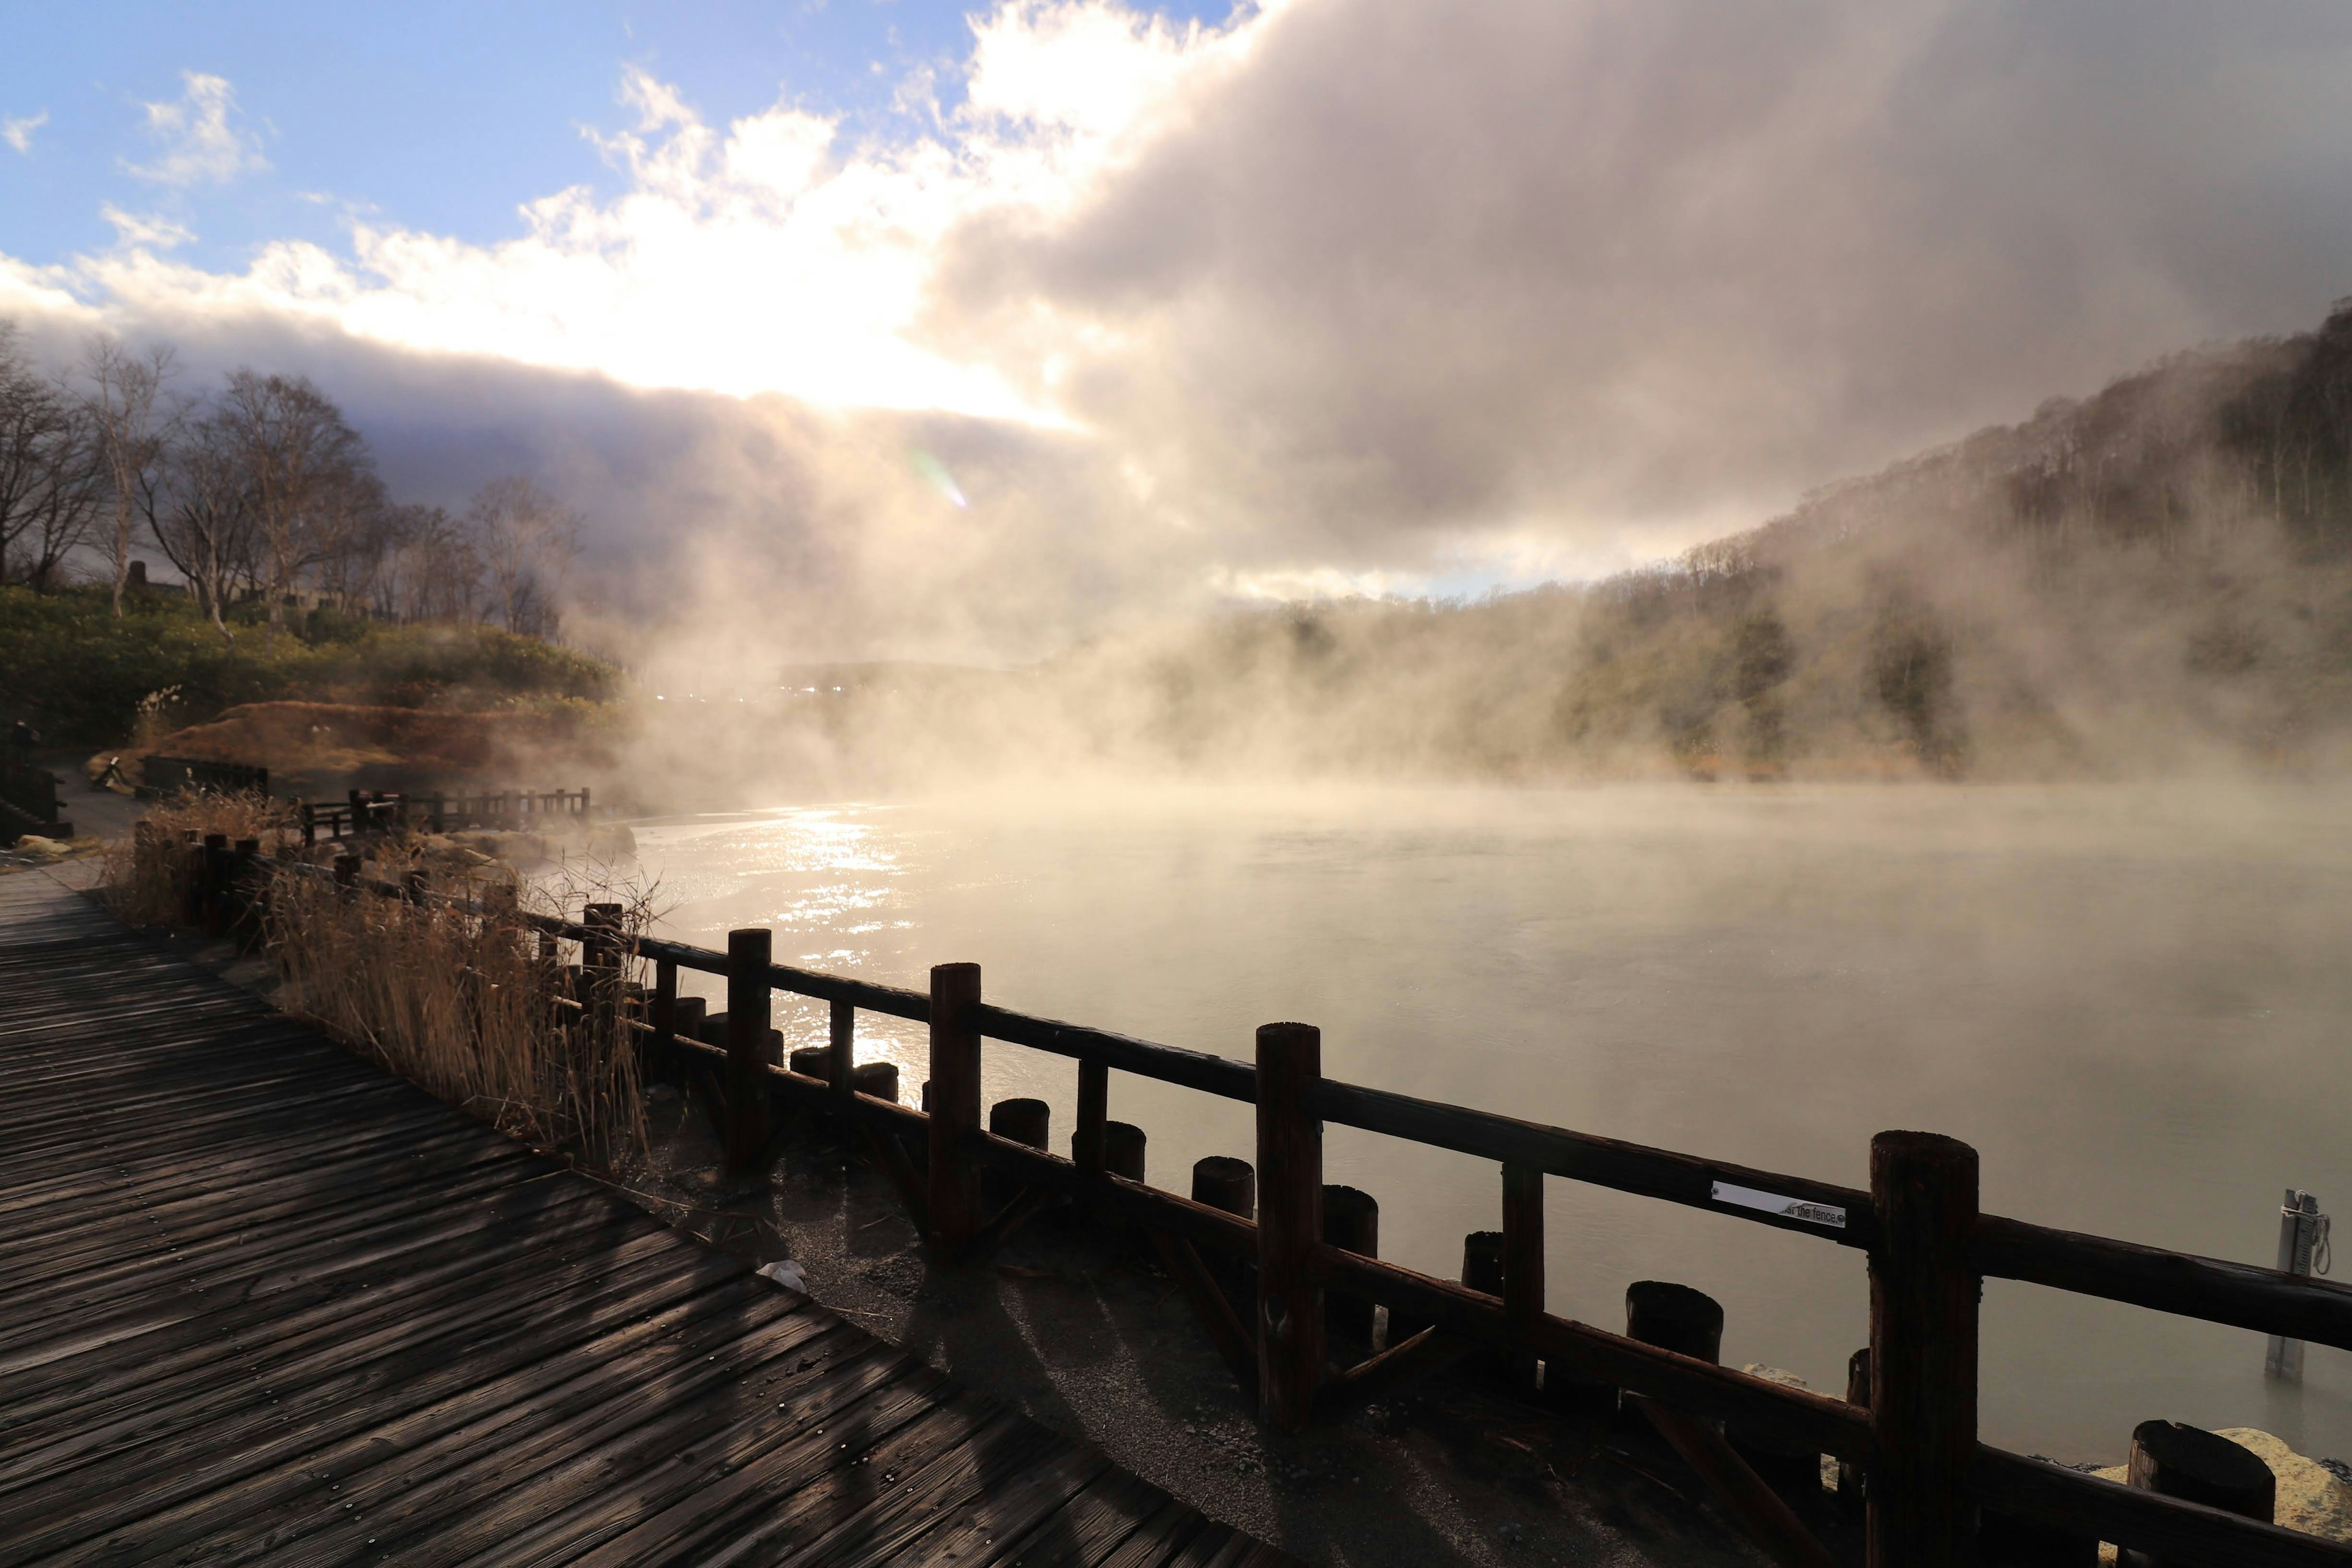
764	255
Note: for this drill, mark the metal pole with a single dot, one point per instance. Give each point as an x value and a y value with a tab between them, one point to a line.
2299	1221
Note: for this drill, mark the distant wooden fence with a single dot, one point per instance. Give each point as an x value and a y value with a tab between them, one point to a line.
28	802
365	811
1928	1245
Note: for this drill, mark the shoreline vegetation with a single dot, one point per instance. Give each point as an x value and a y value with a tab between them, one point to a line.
471	1005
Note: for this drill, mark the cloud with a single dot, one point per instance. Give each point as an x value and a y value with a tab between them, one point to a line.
199	145
1352	294
1623	265
18	133
149	230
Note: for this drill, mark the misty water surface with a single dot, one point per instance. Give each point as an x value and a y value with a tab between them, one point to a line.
2132	1002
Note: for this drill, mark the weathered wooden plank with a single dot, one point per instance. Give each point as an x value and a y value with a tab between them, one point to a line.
274	1306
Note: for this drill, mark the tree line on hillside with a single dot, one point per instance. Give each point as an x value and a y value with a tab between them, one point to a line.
2159	571
256	490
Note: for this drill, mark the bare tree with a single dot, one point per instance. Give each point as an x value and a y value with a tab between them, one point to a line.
431	569
49	482
201	509
528	539
304	462
352	535
123	392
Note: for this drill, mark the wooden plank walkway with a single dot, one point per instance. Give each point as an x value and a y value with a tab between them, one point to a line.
261	1302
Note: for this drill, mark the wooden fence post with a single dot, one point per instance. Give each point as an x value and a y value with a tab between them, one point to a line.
843	1065
220	880
601	961
954	1109
1523	1263
1087	1147
750	951
660	1063
1289	1224
1923	1350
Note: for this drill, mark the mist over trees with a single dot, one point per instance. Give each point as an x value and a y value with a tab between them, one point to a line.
257	491
2155	577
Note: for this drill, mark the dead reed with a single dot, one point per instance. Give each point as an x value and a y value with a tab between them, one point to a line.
146	878
456	990
461	995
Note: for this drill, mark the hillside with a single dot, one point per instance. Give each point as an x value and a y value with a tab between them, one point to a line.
84	678
2154	577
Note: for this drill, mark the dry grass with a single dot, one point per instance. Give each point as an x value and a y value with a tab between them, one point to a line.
459	993
470	1002
146	878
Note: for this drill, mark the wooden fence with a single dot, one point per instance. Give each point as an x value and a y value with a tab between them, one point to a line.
28	802
1928	1246
364	811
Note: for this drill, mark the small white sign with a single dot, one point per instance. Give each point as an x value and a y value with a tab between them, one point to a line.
1773	1203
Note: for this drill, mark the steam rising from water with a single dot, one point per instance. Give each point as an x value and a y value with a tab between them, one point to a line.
2130	1000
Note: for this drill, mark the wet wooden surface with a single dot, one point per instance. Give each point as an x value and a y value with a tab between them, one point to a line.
262	1302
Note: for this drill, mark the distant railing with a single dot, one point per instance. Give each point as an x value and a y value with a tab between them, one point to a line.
365	811
28	802
1913	1439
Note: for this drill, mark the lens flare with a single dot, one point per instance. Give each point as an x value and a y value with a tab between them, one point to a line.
935	474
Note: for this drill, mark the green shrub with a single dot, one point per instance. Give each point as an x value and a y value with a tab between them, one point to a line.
77	674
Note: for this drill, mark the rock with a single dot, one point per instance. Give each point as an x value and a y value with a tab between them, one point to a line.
787	1273
2310	1496
1775	1374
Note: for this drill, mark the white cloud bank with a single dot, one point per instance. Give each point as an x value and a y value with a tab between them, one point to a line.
1372	292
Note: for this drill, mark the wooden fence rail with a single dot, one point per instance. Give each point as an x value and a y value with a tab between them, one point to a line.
364	811
1929	1250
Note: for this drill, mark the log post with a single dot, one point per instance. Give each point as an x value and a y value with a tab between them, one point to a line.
1123	1150
750	951
841	1066
601	961
1087	1144
1522	1263
1022	1120
1923	1350
1351	1221
1027	1121
662	1014
1224	1183
192	881
954	1109
1289	1224
1675	1317
212	880
1854	1480
347	871
2172	1459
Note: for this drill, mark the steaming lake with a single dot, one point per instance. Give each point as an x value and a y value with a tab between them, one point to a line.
2135	1003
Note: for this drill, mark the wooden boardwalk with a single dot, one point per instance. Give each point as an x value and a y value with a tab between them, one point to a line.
261	1302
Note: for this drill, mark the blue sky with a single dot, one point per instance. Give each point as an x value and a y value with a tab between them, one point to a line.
436	117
